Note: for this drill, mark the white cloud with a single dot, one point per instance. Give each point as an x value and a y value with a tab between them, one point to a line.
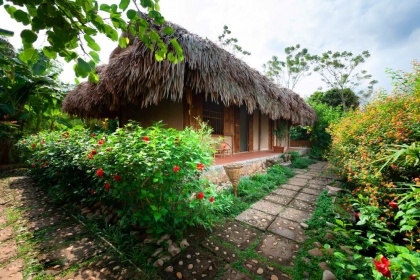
389	29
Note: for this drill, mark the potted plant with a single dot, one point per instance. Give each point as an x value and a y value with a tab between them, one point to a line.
280	132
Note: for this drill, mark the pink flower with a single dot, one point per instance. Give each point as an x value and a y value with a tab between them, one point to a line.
211	199
100	173
107	186
176	168
200	166
146	139
117	177
393	204
200	195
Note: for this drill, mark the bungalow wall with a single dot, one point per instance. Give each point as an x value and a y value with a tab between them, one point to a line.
242	131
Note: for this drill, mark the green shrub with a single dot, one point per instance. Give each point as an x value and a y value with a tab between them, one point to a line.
152	175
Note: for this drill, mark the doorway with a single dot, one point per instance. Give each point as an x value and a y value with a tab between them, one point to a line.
243	129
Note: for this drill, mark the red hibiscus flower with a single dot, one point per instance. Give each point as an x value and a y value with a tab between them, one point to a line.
33	146
200	195
382	267
393	204
100	173
146	139
93	152
90	156
357	215
176	168
107	186
42	142
200	166
211	199
412	277
92	191
100	142
117	177
33	165
93	134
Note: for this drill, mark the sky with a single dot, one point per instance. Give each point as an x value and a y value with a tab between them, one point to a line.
388	29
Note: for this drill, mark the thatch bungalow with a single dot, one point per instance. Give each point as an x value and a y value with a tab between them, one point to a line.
237	101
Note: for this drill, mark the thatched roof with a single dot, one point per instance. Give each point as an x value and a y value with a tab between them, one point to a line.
133	76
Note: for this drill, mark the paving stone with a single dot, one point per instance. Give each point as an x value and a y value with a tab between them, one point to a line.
285	192
313	173
267	207
278	249
288	229
6	233
307	197
264	271
312	191
302	205
3	219
233	274
303	176
275	198
299	171
7	250
237	234
200	265
256	218
291	187
317	187
220	250
295	215
320	181
297	182
12	271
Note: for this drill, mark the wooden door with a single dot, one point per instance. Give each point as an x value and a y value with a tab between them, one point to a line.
251	133
236	136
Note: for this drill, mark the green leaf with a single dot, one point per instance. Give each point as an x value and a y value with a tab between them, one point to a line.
157	216
124	4
105	8
82	68
93	78
22	17
28	36
49	52
94	56
91	43
168	30
154	208
27	55
131	14
11	10
122	42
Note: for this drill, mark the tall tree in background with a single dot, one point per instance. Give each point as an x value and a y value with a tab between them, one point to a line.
333	98
338	71
231	43
70	25
289	72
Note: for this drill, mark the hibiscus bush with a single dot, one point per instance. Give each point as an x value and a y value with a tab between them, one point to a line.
151	175
377	153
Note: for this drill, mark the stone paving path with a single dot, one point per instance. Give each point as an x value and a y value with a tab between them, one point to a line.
271	229
261	243
50	237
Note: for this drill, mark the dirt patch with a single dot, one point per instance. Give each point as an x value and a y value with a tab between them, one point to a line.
12	270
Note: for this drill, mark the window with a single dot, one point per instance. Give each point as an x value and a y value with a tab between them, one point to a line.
213	116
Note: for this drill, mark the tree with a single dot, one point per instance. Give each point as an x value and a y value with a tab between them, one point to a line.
288	73
74	24
230	43
28	92
333	97
338	72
